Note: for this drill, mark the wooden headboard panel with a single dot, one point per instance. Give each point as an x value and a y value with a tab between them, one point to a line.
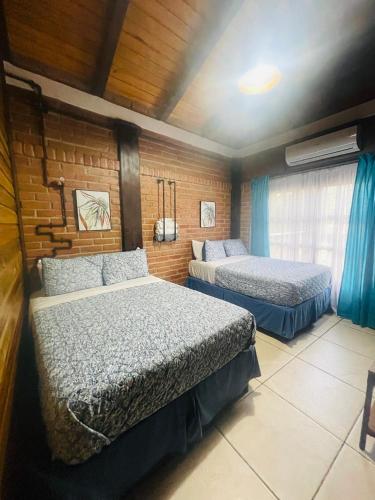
11	282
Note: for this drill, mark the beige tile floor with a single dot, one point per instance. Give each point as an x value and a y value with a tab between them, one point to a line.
294	436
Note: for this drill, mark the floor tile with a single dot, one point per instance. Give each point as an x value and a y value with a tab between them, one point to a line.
353	440
286	448
253	385
351	477
292	347
357	327
348	366
330	402
352	338
270	359
323	324
211	471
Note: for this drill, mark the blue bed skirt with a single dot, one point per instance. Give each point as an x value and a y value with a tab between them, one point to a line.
109	475
281	320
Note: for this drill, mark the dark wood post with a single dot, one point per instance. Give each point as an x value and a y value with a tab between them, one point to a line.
235	211
130	185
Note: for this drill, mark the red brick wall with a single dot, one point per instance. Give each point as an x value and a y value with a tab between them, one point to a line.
199	176
86	156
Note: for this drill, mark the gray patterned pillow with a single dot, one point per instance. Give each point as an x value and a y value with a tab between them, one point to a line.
122	266
235	247
213	250
69	275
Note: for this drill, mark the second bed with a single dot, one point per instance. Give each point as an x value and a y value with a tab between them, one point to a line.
285	297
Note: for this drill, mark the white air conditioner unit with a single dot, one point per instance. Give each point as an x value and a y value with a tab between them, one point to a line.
338	143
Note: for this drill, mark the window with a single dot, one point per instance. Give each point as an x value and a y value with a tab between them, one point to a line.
309	216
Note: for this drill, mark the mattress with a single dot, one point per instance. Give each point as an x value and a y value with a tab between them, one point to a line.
108	358
206	271
280	282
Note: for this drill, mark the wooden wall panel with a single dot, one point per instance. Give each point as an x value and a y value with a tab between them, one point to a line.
11	283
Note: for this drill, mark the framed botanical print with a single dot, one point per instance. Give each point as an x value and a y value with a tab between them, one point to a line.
208	214
93	210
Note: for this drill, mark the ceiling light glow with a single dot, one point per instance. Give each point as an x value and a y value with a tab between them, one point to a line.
260	79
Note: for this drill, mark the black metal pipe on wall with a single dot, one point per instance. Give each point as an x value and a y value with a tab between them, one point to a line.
46	229
173	183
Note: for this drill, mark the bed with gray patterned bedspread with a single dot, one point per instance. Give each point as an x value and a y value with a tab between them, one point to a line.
280	282
108	361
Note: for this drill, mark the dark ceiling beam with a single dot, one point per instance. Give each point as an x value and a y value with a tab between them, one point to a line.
197	53
116	16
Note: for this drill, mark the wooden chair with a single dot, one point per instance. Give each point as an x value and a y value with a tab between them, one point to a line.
368	422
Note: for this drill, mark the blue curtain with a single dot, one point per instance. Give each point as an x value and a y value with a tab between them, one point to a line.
357	295
260	244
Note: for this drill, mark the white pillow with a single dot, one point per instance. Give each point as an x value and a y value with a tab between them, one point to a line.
197	249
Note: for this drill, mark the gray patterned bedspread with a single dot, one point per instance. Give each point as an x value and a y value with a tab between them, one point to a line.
277	281
106	362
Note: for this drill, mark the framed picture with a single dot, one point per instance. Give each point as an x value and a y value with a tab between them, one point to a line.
93	210
208	213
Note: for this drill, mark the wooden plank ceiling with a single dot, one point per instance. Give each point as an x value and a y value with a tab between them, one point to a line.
180	60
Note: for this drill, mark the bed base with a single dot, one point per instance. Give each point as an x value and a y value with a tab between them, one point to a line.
281	320
171	430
